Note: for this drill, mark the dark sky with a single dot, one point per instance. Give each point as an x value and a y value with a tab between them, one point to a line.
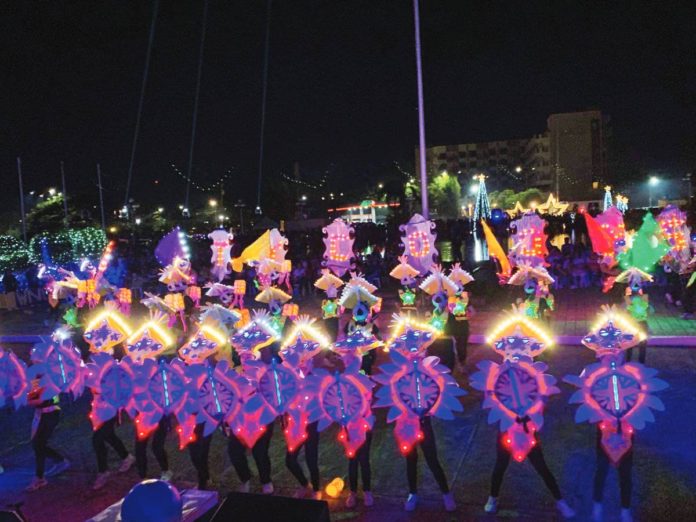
341	85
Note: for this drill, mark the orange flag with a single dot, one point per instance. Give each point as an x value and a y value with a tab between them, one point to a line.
495	250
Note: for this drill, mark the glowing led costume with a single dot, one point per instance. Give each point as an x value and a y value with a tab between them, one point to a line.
338	239
14	385
106	330
406	274
418	238
517	389
112	384
220	260
672	221
149	340
528	240
59	365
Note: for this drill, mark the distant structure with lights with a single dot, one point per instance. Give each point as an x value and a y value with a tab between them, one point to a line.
367	211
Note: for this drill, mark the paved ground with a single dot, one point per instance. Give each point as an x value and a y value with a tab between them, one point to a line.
664	471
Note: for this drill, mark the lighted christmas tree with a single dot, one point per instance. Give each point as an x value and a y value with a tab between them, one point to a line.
608	201
622	203
483	204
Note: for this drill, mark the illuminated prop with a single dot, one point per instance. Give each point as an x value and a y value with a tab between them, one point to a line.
357	279
409	337
207	341
271	246
460	276
125	298
224	317
255	335
59	366
527	272
496	251
304	341
225	293
552	206
345	399
404	272
14	384
239	293
220	253
649	246
163	389
419	243
338	239
112	384
219	392
358	299
615	394
672	221
273	297
149	340
482	208
438	283
622	203
413	388
602	242
106	330
174	244
329	283
357	343
177	275
608	200
528	240
517	389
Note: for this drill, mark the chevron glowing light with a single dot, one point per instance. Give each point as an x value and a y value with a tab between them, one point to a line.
305	339
409	336
404	272
255	335
613	332
149	340
516	323
329	283
207	341
107	329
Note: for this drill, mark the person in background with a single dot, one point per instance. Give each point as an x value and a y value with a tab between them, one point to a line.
9	283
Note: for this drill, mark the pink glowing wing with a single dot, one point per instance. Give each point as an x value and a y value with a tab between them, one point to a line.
338	240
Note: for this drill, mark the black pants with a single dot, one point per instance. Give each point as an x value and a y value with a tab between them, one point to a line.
624	467
461	336
39	442
100	437
237	453
198	451
362	457
642	347
536	458
311	448
158	438
429	449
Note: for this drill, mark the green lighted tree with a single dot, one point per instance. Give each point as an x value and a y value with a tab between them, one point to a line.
445	194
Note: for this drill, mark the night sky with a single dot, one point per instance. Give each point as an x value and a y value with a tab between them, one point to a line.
341	85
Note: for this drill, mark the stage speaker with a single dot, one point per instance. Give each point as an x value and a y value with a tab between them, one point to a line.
246	507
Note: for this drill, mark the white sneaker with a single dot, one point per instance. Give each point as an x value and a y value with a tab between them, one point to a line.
565	510
37	483
352	500
491	505
167	475
126	463
368	499
597	514
244	487
448	500
267	489
626	515
411	502
302	492
101	480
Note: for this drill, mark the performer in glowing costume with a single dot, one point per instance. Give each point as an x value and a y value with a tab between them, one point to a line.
330	284
406	275
516	392
458	307
618	397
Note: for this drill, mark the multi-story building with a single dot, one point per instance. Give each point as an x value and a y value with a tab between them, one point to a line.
573	142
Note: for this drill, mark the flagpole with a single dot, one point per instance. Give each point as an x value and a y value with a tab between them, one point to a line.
421	117
65	194
21	199
101	196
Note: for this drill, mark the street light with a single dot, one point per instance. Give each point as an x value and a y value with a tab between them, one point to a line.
518	169
652	182
380	185
473	189
304	198
212	203
52	191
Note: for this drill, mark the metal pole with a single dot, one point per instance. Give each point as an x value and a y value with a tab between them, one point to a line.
101	196
151	39
65	194
421	117
195	103
264	83
558	167
21	199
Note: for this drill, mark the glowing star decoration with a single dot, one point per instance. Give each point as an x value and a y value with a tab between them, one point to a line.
58	366
329	283
207	341
672	221
345	399
649	246
221	247
615	394
418	239
528	240
305	340
149	340
613	332
163	389
112	384
106	330
410	337
516	390
413	388
255	335
14	384
338	239
219	393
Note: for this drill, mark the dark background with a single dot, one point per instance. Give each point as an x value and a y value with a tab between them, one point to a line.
341	86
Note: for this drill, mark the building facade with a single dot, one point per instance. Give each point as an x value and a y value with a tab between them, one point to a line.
567	159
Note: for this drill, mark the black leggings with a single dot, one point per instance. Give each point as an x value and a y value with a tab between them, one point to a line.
237	453
158	438
198	451
429	448
624	467
311	449
39	442
642	346
362	457
462	340
536	458
105	433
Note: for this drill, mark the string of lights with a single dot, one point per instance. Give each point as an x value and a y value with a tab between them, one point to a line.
209	188
483	205
313	186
